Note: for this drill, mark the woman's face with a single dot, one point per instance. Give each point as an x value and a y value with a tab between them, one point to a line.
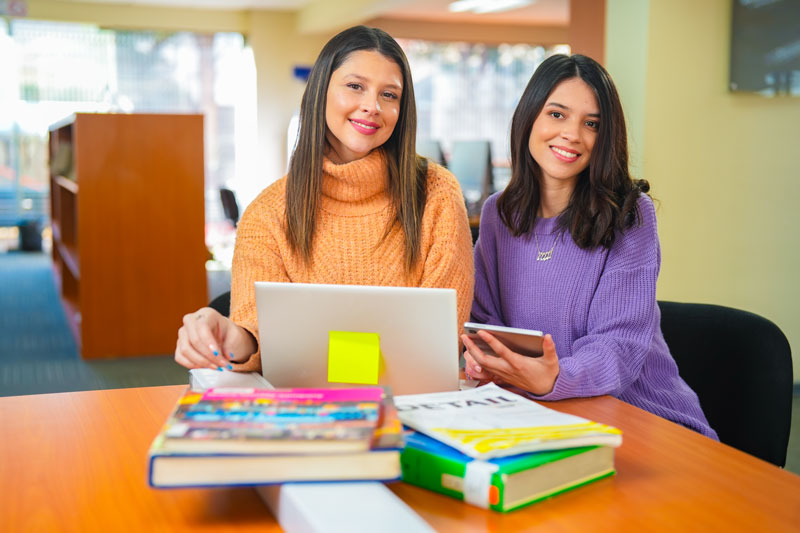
363	104
563	134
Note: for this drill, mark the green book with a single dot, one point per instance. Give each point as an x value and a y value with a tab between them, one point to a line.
505	483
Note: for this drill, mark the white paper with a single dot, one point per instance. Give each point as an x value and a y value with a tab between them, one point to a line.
201	379
478	481
345	507
490	421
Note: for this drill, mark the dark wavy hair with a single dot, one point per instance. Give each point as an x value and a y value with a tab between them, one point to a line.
407	171
604	199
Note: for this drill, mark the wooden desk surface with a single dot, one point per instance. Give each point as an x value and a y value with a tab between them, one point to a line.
77	462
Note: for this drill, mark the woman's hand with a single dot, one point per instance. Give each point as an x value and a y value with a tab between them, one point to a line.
534	374
209	340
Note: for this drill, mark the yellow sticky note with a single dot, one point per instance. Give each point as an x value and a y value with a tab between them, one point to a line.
354	357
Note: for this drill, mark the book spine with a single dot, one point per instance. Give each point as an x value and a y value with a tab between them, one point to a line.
150	468
432	472
475	482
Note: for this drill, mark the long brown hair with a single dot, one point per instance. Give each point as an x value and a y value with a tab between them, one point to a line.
407	172
605	195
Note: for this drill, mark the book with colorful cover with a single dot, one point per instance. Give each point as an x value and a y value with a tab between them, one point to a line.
506	483
489	421
225	437
239	420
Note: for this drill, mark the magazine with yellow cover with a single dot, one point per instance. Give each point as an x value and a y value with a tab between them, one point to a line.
490	421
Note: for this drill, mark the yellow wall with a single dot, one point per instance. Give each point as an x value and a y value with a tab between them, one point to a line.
723	165
626	60
277	48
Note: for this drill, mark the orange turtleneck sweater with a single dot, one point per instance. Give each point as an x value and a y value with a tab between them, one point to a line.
348	246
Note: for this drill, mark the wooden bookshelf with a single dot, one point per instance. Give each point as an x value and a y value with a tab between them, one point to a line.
127	204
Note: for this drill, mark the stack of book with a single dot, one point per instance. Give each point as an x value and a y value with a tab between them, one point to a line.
496	449
239	436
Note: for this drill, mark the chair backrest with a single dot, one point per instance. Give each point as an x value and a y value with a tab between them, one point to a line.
432	150
229	205
740	366
222	303
471	163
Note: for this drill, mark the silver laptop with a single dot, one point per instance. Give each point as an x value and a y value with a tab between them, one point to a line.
417	329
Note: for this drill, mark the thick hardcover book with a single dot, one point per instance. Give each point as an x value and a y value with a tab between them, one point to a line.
247	437
505	483
490	421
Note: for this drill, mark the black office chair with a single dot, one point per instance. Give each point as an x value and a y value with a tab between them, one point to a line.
229	205
222	303
740	366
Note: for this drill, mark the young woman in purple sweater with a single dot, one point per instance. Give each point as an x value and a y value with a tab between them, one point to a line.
571	248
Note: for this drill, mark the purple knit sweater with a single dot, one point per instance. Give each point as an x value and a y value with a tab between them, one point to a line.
599	305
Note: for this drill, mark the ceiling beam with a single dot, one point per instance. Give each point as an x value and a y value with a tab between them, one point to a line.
486	33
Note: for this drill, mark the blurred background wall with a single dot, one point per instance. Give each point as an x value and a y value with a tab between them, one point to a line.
723	165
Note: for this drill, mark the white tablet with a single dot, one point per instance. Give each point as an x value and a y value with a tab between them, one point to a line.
526	342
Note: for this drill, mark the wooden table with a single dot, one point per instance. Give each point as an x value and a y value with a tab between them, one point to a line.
77	462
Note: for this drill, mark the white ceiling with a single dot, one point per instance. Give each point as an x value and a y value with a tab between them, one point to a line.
545	12
210	4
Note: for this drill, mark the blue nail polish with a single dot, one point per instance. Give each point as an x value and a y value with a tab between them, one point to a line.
216	354
231	355
219	368
230	367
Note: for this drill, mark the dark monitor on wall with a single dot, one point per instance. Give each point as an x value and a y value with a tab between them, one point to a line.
765	46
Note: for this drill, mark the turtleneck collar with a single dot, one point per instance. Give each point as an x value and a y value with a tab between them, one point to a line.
356	188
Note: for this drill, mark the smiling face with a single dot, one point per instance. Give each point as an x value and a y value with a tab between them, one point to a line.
563	135
363	104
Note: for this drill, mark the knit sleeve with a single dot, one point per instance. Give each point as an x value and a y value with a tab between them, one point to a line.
486	303
622	318
448	262
256	257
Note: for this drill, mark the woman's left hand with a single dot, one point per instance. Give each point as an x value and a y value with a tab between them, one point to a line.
534	374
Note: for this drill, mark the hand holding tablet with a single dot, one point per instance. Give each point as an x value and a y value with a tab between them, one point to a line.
527	342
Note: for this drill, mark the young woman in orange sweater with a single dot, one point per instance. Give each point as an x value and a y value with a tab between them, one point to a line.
357	207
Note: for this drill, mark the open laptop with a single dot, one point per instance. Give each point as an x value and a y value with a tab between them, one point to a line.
417	329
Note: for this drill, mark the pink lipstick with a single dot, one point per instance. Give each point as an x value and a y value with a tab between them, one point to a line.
565	154
364	126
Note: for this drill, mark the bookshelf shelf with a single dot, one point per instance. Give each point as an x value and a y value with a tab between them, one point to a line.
56	229
69	256
127	204
67	184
